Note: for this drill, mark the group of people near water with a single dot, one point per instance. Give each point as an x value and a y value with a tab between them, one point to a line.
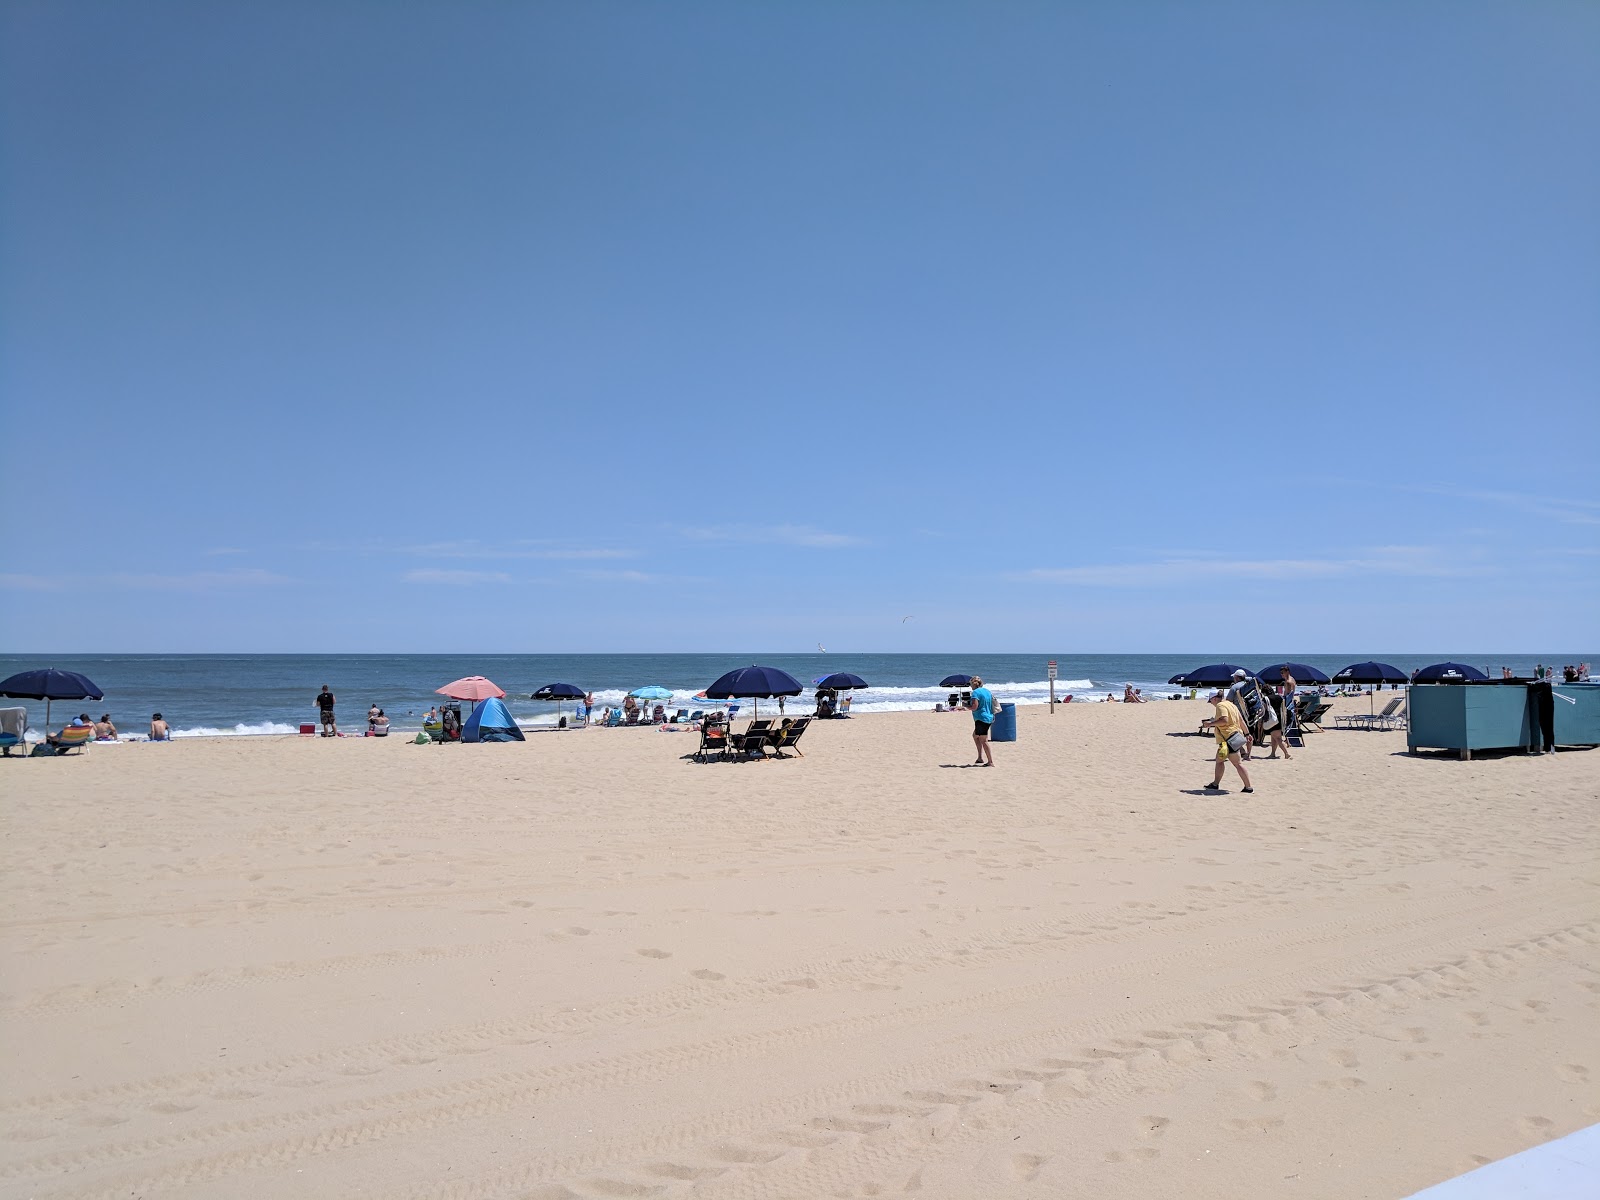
103	730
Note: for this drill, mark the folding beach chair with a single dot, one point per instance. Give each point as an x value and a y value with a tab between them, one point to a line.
73	737
752	743
1312	709
786	737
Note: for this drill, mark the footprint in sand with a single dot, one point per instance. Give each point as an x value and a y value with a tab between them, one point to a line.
1025	1167
1536	1126
1573	1073
1142	1154
653	953
1152	1127
1259	1089
707	974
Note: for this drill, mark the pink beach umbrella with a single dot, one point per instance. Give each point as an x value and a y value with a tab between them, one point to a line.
474	688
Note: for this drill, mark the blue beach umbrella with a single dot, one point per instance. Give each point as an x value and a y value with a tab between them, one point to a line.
1301	673
559	692
653	691
1448	672
1211	675
841	681
50	684
755	683
1370	672
959	681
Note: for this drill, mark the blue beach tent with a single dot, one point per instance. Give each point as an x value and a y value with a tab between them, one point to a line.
491	722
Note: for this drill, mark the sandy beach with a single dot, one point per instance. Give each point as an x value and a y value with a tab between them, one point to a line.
585	967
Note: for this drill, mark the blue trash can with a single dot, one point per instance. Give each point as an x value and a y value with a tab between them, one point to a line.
1004	728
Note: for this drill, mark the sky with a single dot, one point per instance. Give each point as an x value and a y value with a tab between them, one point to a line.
889	326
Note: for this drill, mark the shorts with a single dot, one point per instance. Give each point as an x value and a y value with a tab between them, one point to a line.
327	716
981	728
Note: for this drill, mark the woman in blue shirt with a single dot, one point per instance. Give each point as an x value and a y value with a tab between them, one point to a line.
983	710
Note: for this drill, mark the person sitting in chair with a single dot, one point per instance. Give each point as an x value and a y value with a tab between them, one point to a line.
76	730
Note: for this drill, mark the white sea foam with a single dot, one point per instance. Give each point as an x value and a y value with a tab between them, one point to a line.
879	699
261	730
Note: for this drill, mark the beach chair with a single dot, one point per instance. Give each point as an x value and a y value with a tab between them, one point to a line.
844	706
659	715
73	737
752	743
713	740
1311	711
679	717
1370	721
1392	717
13	729
785	738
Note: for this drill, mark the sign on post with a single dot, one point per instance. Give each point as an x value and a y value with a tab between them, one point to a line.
1050	669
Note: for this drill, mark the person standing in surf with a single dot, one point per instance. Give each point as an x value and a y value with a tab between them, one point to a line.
983	710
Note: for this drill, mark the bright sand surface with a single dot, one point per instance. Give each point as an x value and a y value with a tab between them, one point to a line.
582	966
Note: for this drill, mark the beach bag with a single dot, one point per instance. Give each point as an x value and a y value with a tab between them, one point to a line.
1236	743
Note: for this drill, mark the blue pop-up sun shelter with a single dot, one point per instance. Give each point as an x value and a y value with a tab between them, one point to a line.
491	722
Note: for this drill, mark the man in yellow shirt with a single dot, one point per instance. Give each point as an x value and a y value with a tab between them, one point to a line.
1232	738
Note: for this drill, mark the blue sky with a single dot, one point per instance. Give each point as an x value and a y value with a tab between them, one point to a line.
589	326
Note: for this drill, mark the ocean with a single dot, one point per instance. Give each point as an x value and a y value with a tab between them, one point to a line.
214	695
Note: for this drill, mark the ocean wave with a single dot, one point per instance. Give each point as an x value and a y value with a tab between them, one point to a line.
263	729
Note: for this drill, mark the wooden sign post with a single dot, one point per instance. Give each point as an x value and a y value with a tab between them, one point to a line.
1051	669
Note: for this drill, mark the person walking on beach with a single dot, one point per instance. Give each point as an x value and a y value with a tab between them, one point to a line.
325	698
983	710
1232	740
1283	705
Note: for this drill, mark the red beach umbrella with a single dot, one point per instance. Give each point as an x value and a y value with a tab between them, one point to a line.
474	688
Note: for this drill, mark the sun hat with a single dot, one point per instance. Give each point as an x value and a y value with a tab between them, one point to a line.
1240	673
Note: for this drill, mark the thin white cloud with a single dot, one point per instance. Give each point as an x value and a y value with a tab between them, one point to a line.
200	581
29	583
774	535
455	578
471	548
1382	560
1556	508
604	576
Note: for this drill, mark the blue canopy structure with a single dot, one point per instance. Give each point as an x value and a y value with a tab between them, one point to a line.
956	681
491	721
841	681
1299	672
1211	675
1447	672
49	684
